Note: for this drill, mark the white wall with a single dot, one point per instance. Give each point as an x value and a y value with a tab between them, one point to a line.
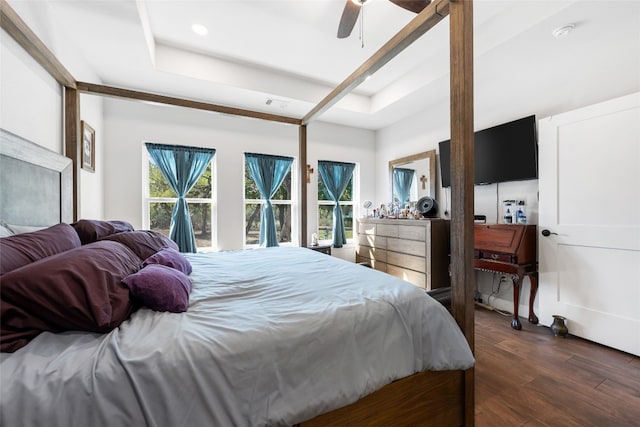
32	102
92	183
30	99
128	124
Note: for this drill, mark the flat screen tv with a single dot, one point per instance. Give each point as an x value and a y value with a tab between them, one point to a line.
507	152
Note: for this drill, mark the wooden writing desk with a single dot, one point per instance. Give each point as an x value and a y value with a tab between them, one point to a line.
510	250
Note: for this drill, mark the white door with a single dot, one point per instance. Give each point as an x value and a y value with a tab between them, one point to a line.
589	178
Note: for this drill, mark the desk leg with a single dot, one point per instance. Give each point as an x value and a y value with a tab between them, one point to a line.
533	277
517	282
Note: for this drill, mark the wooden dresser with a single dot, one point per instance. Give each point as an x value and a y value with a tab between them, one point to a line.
510	250
414	250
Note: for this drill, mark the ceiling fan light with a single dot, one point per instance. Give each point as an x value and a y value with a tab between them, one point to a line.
359	2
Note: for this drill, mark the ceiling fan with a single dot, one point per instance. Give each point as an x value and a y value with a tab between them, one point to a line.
352	11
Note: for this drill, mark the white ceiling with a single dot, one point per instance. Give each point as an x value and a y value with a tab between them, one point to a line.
287	50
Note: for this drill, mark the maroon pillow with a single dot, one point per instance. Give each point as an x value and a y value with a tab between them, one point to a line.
160	288
92	230
171	258
22	249
80	289
143	242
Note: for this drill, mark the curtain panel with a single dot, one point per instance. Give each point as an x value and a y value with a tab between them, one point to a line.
268	172
336	176
182	167
402	180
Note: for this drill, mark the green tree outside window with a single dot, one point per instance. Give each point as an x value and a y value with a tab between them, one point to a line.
162	199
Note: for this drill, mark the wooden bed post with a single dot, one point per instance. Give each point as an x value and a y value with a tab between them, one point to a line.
302	170
462	190
72	141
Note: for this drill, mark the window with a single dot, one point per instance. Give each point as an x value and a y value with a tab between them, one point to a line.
325	210
282	202
161	199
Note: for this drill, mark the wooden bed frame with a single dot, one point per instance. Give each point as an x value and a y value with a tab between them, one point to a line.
435	398
425	399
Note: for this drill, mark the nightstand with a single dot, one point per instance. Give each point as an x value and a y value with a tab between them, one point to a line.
325	249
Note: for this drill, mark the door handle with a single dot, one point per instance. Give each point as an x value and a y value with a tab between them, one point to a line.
547	233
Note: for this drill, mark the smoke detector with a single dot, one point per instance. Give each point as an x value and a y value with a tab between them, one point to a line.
563	31
277	103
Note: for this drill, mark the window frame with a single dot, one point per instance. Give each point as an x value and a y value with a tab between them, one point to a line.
147	200
293	202
354	203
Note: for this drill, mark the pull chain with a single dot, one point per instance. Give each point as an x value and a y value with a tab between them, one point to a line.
362	25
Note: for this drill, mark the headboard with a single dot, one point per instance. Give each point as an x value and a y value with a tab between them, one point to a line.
36	184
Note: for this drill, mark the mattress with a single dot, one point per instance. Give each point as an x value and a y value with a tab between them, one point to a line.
272	337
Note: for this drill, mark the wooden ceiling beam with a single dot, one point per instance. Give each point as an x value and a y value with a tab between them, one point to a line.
25	37
419	25
97	89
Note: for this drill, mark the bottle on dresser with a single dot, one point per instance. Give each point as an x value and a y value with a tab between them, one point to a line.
509	209
521	213
514	212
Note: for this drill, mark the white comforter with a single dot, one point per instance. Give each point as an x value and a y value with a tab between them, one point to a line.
272	337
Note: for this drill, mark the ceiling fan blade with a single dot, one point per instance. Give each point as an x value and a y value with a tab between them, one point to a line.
412	5
348	20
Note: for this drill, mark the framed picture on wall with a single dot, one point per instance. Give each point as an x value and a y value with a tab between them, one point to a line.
88	147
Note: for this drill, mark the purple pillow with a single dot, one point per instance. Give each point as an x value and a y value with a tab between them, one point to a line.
143	242
171	258
77	290
22	249
92	230
160	288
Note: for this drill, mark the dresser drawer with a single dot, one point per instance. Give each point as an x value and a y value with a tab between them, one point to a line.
388	230
411	247
411	232
417	279
364	228
371	253
407	261
372	241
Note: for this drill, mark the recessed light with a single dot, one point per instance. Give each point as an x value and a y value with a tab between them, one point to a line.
199	29
563	31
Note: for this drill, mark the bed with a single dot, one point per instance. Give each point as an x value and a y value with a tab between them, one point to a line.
258	346
270	337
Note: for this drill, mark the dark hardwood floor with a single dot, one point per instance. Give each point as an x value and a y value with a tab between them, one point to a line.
531	378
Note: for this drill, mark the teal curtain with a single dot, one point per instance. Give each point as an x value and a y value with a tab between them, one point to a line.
402	180
268	172
336	177
182	167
